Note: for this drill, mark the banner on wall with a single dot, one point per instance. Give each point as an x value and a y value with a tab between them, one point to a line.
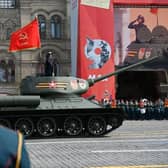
141	2
97	3
95	45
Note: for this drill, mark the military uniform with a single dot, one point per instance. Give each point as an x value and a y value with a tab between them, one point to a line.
138	26
13	153
166	108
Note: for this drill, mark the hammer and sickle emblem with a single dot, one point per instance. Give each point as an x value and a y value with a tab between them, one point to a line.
23	36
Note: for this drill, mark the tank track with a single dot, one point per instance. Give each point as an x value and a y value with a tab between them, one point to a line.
35	123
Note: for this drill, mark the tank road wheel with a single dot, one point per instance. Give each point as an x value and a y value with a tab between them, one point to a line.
25	125
114	122
5	123
96	126
46	126
73	126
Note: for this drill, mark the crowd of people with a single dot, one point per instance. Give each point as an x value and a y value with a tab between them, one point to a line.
142	109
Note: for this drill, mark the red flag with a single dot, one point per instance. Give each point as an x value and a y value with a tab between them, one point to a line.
26	38
154	10
95	47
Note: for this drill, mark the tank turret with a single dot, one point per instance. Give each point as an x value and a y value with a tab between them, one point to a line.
67	85
149	44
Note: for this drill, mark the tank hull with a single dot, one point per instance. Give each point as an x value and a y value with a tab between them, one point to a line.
38	123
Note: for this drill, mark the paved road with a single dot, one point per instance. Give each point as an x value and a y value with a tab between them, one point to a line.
136	144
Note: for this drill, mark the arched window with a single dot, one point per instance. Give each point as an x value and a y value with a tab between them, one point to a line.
8	33
56	22
42	26
3	71
7	3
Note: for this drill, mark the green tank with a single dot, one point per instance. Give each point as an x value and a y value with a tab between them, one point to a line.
51	107
147	44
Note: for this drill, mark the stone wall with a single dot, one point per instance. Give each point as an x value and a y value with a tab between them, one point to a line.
32	62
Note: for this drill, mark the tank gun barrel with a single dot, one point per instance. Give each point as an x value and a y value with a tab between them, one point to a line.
19	101
92	81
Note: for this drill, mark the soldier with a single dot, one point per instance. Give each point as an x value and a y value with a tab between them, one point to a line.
136	110
131	110
106	99
13	153
123	105
137	25
149	110
113	103
159	109
127	108
118	104
48	65
166	108
142	109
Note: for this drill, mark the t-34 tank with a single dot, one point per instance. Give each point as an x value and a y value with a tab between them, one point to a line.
149	43
52	106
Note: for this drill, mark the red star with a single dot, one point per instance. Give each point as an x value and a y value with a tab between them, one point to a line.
52	84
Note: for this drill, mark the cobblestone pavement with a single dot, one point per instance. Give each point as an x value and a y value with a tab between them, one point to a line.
136	144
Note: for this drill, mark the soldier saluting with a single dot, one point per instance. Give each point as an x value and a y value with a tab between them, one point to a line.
137	25
13	153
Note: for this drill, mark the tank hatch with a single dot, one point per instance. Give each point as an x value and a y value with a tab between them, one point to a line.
52	85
